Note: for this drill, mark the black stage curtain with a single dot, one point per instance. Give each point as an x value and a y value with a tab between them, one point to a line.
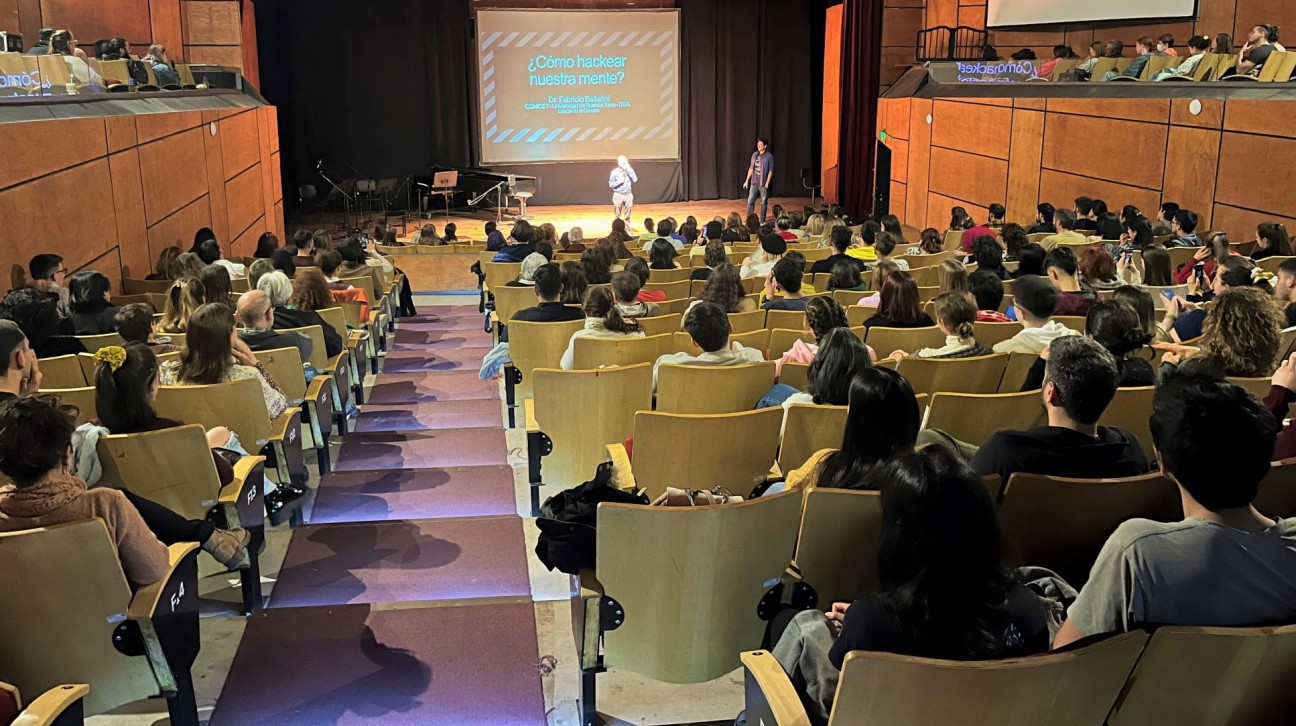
383	89
861	74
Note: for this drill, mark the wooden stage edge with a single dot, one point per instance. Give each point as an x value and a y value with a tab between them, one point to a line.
442	273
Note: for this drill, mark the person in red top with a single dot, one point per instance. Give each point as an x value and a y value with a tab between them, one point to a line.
1216	246
785	229
1073	298
997	214
1045	70
1281	395
639	268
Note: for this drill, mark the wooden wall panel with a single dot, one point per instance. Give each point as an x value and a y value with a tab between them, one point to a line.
1060	189
1105	148
9	14
1192	160
230	56
1273	118
128	206
1210	117
150	126
59	212
1024	163
899	153
213	22
240	142
938	210
244	200
212	147
899	194
178	229
1240	224
165	21
941	12
977	179
121	133
90	21
830	125
174	173
245	244
974	128
37	148
1152	110
900	26
919	162
893	117
1273	12
1257	172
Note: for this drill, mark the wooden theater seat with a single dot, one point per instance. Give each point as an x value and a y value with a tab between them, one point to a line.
59	706
77	617
796	375
989	334
510	300
582	411
1130	409
836	552
756	339
747	322
82	398
888	340
1277	494
782	340
1014	377
62	371
785	320
712	389
972	418
807	429
1069	688
1195	676
620	351
1062	523
240	406
93	343
660	324
701	451
531	346
315	399
173	467
674	289
339	369
954	375
659	277
139	287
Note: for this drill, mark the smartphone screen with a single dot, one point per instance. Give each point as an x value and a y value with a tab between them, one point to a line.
1168	294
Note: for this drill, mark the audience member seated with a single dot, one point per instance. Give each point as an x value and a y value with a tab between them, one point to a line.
1043	220
1034	301
881	424
713	256
885	245
1060	52
328	262
598	270
165	267
258	269
930	242
185	296
898	305
863	248
1253	54
213	354
785	278
1080	379
1085	219
988	256
960	220
21	373
1144	48
574	284
1073	298
267	243
41	46
724	287
1141	301
210	254
35	445
256	327
1084	71
161	64
92	313
48	275
1116	326
135	324
289	297
1098	269
955	314
987	292
708	327
285	261
845	276
996	221
625	286
840	240
761	262
661	255
549	288
62	43
1225	564
36	314
1242	334
1271	241
880	274
1165	218
1198	45
520	243
217	286
943	590
952	276
1064	224
841	355
427	235
1184	225
664	231
357	261
526	275
822	315
1186	319
1030	261
602	320
637	267
494	238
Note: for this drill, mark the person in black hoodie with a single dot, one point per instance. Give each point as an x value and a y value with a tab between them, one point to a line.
37	316
1080	380
521	242
841	239
92	314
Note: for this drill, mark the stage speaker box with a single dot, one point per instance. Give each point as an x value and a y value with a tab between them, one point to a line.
882	182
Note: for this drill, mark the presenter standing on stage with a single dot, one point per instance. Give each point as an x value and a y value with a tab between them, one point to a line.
759	174
622	184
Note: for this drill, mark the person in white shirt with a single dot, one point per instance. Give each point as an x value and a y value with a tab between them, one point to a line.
708	325
1034	298
210	253
664	233
761	263
602	320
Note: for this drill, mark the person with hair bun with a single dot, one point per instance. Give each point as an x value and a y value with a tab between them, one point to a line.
1253	54
1271	241
602	320
955	315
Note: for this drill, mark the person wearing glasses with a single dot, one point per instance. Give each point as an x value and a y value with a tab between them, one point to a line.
49	275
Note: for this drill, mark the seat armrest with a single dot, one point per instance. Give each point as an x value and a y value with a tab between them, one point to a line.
587	599
317	390
48	707
770	698
243	468
147	599
281	427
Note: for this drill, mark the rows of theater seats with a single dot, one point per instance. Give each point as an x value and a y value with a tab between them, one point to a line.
52	74
694	608
142	644
1278	69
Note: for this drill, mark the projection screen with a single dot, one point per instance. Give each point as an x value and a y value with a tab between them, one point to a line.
577	85
1001	13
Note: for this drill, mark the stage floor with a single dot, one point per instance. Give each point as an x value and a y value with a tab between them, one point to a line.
595	220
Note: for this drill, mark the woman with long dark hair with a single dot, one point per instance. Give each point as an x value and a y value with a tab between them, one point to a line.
881	422
661	255
602	320
899	306
1271	241
1030	261
943	590
724	287
92	313
267	243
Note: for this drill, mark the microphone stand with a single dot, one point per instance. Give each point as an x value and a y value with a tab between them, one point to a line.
347	220
499	201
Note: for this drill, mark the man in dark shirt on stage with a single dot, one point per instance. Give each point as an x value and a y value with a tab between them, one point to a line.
760	172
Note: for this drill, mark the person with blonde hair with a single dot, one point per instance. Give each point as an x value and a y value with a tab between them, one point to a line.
953	277
185	296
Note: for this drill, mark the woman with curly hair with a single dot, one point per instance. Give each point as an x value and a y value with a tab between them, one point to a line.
822	315
724	288
930	242
1243	331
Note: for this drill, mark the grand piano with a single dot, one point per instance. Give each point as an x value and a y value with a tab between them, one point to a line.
482	189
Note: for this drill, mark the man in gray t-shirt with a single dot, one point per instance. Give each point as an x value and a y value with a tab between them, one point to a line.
1225	564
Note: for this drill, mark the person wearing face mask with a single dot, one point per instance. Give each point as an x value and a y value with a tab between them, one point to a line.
1165	45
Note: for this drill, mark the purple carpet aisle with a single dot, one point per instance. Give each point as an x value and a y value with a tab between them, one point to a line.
406	599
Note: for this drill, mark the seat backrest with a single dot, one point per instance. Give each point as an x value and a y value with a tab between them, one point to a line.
713	389
659	324
886	341
11	65
1062	523
807	429
1130	409
60	630
781	341
857	314
93	343
658	277
837	543
1014	377
366	283
674	289
785	319
1258	387
237	405
1101	68
689	580
172	467
1277	494
989	334
1217	676
747	322
139	287
499	273
82	398
701	451
955	375
622	350
509	300
971	418
1269	71
54	69
285	367
62	371
538	345
1074	322
319	352
336	319
1072	688
583	411
953	239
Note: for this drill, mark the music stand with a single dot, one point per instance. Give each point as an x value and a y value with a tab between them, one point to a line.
444	183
